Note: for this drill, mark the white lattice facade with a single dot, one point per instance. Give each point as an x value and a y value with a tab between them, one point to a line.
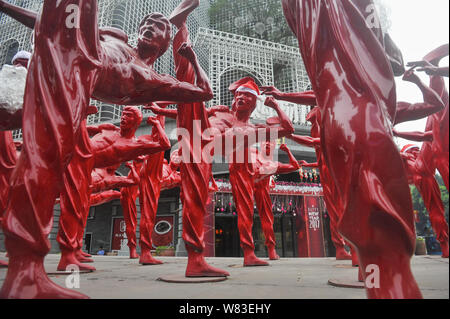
224	56
232	57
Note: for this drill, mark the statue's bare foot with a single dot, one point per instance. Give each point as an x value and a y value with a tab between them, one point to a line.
133	253
147	258
27	279
250	260
69	259
273	254
198	267
86	254
181	13
81	258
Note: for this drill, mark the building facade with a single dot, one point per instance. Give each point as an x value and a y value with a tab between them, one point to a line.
226	57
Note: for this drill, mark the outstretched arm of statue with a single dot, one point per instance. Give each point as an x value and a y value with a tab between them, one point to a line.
202	79
305	140
173	114
415	136
24	16
218	109
411	112
306	164
93	130
304	98
293	163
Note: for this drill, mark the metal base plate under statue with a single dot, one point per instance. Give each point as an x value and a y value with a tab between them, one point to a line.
181	279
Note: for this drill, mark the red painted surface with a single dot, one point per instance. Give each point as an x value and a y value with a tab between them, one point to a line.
69	66
119	234
314	227
358	105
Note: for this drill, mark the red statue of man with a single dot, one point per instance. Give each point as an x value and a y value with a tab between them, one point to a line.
331	195
128	200
435	153
265	168
236	127
9	120
196	174
156	175
356	93
109	147
72	62
426	183
8	160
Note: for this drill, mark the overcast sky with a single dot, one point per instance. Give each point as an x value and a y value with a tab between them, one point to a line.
418	27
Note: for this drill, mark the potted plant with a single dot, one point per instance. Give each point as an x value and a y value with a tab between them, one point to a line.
421	247
167	251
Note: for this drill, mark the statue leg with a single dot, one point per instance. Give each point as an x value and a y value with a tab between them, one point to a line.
73	202
150	190
59	65
384	237
195	177
180	14
128	201
431	195
264	205
242	187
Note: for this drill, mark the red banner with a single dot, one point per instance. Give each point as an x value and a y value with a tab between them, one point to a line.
314	227
119	237
163	231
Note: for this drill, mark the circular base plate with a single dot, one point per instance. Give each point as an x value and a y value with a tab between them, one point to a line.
346	283
67	273
181	279
344	266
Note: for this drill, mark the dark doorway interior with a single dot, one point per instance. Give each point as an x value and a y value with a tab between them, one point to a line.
87	242
227	236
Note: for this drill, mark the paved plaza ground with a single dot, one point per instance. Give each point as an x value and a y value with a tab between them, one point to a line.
290	278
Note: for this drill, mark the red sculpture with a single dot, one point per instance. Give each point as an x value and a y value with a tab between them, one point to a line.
331	196
419	175
128	201
72	63
8	160
355	90
265	168
193	118
236	125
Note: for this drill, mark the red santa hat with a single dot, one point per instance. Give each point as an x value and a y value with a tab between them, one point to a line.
246	84
21	55
409	147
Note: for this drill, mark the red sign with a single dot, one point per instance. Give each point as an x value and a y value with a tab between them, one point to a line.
119	236
163	231
314	226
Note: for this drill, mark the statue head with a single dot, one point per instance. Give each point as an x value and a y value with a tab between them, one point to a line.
154	36
21	59
131	119
246	93
411	149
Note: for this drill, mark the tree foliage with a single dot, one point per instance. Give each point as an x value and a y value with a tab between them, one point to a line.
424	224
261	19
